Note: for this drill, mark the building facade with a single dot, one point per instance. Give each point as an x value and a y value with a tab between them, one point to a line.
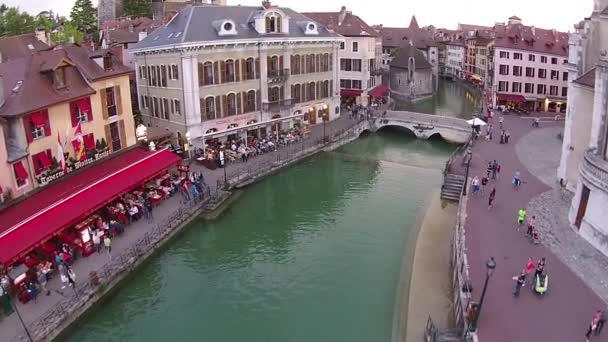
411	76
454	65
530	67
235	71
484	61
584	161
60	97
359	55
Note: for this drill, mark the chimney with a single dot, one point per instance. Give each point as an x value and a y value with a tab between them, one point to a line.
342	15
142	35
40	34
266	4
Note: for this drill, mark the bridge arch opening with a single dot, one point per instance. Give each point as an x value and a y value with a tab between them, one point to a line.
398	129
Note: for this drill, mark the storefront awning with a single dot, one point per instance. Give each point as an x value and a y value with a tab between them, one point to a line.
351	92
510	98
379	91
63	203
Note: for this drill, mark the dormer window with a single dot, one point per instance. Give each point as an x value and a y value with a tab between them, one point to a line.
226	27
107	62
59	78
311	28
273	23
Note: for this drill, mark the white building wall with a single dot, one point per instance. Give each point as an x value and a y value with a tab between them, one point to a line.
367	50
454	60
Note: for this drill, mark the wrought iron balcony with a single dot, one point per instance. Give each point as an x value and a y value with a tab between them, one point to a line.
595	170
278	76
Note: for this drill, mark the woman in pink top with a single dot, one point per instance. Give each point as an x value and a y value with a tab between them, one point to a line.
531	225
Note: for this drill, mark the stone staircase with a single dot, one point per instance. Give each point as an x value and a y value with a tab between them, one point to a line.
452	186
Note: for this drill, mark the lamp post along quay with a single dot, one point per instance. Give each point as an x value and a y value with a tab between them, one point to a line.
490	266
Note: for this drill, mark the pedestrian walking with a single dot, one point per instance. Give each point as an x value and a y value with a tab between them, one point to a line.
594	323
484	182
71	277
489	169
491	198
516	179
540	267
108	243
495	169
600	323
520	281
501	120
521	217
507	136
531	225
475	185
42	280
97	240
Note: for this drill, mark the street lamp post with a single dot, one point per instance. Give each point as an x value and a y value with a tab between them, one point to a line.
490	266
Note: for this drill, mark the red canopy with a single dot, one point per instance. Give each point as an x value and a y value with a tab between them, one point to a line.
510	98
62	204
351	92
20	171
379	91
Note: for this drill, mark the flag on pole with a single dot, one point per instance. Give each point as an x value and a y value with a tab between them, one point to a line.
60	156
78	143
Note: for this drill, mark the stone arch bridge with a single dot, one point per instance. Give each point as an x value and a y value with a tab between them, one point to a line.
424	126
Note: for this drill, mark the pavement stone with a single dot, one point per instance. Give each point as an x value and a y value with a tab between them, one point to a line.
540	152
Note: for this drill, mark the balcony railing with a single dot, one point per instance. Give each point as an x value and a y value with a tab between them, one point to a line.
278	76
276	106
595	170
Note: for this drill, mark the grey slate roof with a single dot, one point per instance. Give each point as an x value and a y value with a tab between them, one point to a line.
196	24
403	56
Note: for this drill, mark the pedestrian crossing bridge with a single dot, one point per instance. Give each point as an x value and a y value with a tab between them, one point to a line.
425	126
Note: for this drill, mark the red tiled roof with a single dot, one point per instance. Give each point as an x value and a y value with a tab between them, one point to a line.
468	27
396	36
521	37
351	26
20	46
64	203
587	79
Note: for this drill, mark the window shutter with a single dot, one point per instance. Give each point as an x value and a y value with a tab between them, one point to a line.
237	70
49	154
201	75
108	135
282	93
318	89
218	107
331	88
36	163
244	98
88	108
28	129
267	24
281	67
303	64
123	133
239	103
258	100
118	100
216	73
303	90
73	111
47	123
225	105
318	62
268	64
104	104
203	109
222	72
257	68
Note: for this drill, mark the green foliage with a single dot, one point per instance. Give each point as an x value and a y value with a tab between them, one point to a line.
62	36
14	22
138	8
104	144
84	16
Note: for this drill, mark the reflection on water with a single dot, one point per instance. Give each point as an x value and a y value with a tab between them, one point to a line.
310	254
452	99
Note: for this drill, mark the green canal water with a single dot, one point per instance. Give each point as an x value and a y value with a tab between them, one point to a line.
311	254
452	99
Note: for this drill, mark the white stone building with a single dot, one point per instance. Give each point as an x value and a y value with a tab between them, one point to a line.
454	61
530	67
360	54
214	72
411	75
584	161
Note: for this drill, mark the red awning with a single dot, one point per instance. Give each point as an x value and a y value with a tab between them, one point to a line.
20	171
62	204
44	160
379	91
510	98
351	92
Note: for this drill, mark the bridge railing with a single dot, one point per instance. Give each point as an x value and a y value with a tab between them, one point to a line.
428	119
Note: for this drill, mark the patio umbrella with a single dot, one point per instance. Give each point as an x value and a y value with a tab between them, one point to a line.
476	122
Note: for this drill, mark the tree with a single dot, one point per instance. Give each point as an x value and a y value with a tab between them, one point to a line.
84	16
68	31
138	8
14	22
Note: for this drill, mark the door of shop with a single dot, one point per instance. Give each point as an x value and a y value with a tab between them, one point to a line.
312	116
582	207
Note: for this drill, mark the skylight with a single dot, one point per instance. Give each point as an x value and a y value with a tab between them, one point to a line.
177	34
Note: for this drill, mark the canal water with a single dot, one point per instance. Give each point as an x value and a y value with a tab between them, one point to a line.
452	99
310	254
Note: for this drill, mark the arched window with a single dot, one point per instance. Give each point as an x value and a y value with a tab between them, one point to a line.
231	104
295	64
273	66
209	108
325	89
310	91
205	73
311	63
273	23
296	93
250	68
229	75
250	101
326	62
274	95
